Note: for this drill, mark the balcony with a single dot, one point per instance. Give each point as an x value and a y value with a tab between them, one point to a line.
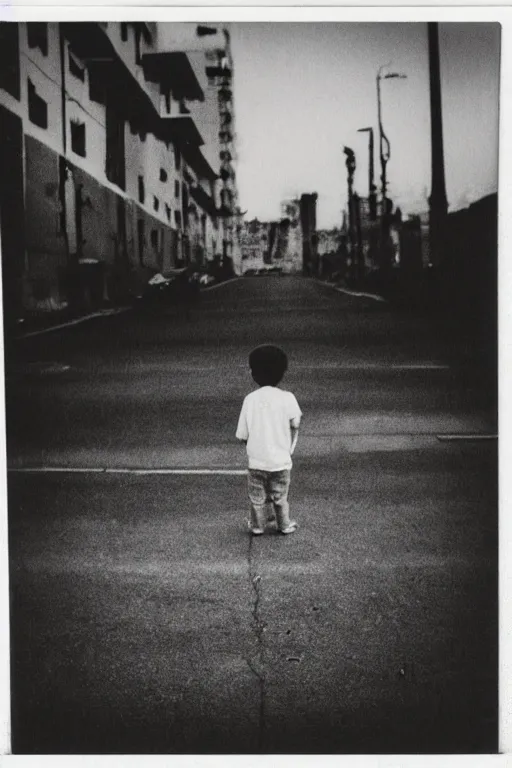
181	130
197	161
225	95
203	200
109	77
219	72
173	70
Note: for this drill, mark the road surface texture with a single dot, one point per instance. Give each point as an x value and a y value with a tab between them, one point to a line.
146	620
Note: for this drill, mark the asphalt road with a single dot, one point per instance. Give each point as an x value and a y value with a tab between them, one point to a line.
145	620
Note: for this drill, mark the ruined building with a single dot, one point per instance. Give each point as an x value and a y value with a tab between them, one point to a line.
110	148
289	243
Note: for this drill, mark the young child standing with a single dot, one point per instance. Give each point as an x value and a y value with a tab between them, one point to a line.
269	425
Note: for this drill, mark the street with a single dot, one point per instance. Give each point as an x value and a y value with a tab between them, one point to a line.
144	619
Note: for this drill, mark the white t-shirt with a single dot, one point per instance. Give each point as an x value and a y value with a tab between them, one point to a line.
265	420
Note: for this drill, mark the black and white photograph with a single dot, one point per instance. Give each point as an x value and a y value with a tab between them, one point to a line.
250	334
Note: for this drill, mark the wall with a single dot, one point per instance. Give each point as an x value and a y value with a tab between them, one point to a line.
102	221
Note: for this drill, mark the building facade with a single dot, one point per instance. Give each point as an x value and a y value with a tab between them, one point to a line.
106	173
287	243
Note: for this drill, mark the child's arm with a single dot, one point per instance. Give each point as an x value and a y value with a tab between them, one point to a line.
242	432
294	429
295	437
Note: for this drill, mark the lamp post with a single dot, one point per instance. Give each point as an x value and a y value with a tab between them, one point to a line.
438	204
384	145
386	248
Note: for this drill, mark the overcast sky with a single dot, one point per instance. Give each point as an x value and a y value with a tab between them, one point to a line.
303	90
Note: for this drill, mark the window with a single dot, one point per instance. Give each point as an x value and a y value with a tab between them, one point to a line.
37	34
177	158
140	239
142	193
138	57
163	174
78	137
168	211
156	203
176	189
177	218
37	107
124	31
97	84
10	58
76	68
115	167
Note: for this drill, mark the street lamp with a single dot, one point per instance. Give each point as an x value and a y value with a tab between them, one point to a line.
384	145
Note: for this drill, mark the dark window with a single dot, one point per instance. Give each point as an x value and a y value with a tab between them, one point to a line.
142	193
176	189
168	211
37	107
37	34
75	67
115	167
97	84
140	239
78	137
154	238
177	218
163	174
124	31
138	57
10	58
168	101
177	158
156	203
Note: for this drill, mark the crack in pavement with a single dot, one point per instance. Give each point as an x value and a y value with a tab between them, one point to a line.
258	627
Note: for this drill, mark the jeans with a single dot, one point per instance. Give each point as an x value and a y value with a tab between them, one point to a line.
266	486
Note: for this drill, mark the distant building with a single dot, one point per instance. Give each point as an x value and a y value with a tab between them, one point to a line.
111	159
280	243
329	246
254	244
308	226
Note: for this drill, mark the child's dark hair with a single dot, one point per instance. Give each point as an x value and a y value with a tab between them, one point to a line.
268	365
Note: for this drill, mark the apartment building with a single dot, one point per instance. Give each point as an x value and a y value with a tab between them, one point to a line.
105	173
208	49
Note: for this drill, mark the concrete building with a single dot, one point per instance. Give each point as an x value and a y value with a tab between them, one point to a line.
208	49
105	171
284	242
309	236
254	244
329	251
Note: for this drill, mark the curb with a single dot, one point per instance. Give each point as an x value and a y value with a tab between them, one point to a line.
357	294
103	313
218	285
76	321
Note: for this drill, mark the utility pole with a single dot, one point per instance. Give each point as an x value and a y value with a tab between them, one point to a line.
351	167
372	189
438	204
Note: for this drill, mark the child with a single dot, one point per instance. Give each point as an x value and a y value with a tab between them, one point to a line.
269	425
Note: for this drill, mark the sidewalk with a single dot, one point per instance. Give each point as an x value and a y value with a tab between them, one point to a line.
36	324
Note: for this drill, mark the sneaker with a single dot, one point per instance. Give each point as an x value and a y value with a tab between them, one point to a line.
289	528
254	531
